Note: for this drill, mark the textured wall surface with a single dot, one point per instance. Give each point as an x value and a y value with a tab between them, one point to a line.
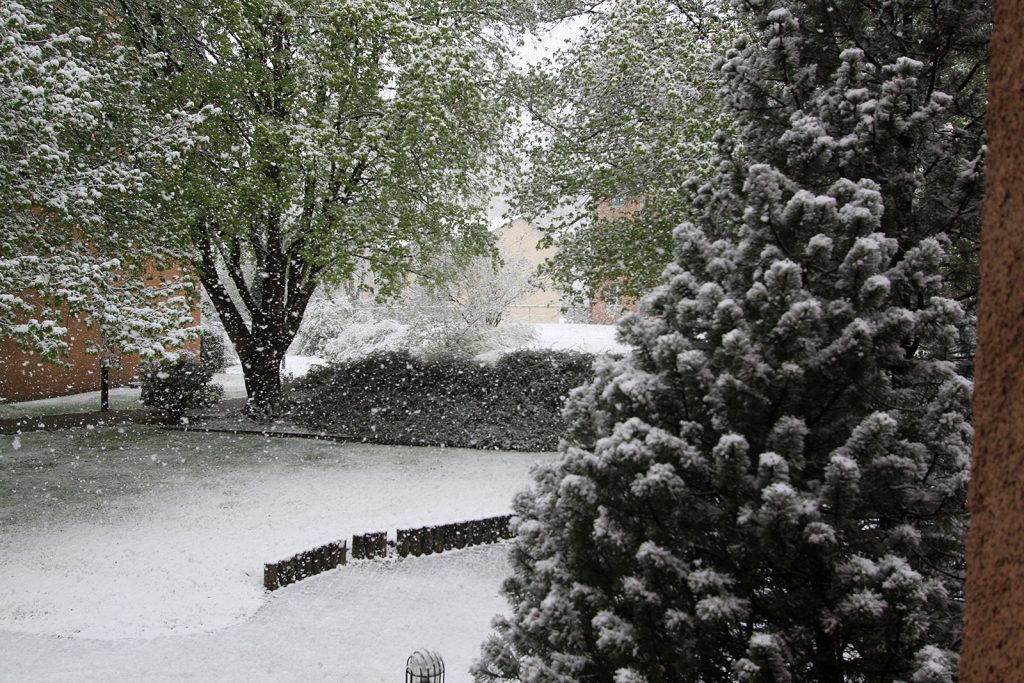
993	649
26	376
520	241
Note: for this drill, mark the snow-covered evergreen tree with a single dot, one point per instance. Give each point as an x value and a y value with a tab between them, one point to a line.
771	487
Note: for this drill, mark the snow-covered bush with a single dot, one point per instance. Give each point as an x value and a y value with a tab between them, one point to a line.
511	334
477	293
444	400
463	316
342	325
771	487
172	387
327	315
369	332
364	335
213	352
431	337
456	315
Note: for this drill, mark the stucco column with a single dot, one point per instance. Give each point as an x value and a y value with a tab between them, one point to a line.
993	648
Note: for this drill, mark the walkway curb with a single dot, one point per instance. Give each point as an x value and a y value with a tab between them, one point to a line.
96	418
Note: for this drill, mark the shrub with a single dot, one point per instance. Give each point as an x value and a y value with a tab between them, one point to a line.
326	317
174	386
213	353
364	336
396	397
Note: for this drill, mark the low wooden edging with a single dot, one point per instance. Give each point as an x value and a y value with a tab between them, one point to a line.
428	540
369	546
302	566
425	540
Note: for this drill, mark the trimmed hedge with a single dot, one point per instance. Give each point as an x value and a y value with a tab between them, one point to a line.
395	397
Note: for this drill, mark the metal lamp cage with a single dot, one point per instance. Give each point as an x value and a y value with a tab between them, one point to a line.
424	666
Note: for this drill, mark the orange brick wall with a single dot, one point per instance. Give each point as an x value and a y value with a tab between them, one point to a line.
25	376
627	206
600	315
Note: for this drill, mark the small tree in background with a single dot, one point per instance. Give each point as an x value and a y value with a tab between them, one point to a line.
460	314
463	316
771	487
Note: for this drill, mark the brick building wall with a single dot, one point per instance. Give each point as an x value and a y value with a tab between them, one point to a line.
608	306
25	375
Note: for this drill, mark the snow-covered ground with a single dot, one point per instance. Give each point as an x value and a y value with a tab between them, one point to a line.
125	398
594	339
577	337
356	624
135	553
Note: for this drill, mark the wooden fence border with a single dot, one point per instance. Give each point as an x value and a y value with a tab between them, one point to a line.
424	540
428	540
369	546
310	563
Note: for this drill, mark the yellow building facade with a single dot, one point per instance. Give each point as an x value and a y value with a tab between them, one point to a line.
519	245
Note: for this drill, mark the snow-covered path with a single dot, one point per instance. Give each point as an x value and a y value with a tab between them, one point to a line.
138	545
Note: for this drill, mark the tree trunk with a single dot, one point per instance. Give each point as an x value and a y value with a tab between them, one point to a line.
993	641
826	663
827	658
275	303
262	371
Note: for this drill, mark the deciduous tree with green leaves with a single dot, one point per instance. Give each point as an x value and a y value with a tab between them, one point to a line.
627	110
350	133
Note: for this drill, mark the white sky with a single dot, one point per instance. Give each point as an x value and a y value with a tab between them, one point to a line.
536	47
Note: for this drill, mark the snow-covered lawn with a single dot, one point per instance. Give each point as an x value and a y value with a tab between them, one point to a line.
594	339
576	337
137	554
356	624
